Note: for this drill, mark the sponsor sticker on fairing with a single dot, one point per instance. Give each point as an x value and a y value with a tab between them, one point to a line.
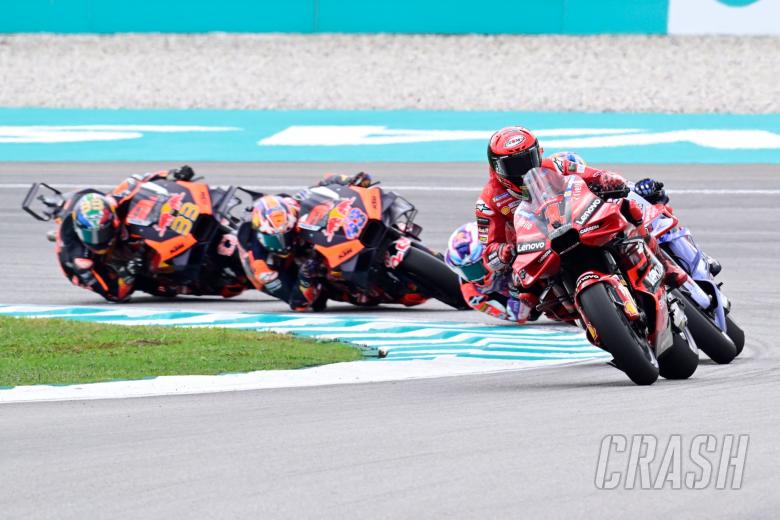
653	277
585	277
531	247
589	229
589	211
544	256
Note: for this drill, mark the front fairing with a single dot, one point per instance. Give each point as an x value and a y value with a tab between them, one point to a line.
562	214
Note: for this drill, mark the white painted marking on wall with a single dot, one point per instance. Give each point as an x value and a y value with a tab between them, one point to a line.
362	135
83	133
352	135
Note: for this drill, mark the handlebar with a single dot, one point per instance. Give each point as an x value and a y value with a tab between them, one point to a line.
613	194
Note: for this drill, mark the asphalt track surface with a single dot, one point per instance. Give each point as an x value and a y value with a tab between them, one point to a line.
509	445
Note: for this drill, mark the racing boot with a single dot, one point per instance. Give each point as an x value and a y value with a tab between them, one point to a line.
674	275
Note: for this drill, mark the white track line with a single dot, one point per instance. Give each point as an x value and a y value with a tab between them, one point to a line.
464	189
334	374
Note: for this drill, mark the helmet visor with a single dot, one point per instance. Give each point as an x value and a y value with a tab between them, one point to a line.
96	239
279	243
513	167
472	272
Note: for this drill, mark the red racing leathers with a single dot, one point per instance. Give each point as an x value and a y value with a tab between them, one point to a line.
496	207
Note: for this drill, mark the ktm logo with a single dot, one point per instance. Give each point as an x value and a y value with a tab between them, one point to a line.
176	249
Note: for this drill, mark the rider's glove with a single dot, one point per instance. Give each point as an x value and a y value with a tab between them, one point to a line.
311	269
515	285
134	266
183	173
652	191
522	308
361	179
609	184
501	258
309	283
506	253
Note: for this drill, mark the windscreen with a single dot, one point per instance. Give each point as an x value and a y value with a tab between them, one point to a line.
548	198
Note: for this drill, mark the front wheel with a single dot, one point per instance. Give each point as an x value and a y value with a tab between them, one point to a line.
632	354
735	333
434	276
681	359
709	338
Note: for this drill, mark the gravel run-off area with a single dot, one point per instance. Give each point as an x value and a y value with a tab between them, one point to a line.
330	71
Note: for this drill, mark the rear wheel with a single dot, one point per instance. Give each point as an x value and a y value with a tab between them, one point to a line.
436	279
735	333
681	359
632	354
709	338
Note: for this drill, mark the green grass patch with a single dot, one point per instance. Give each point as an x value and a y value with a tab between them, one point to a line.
55	351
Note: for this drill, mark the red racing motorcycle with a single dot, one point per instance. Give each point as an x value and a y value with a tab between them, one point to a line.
597	271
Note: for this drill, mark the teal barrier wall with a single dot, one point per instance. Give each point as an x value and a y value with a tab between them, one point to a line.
45	134
351	16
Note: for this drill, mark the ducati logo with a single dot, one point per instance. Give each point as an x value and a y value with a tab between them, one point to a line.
515	141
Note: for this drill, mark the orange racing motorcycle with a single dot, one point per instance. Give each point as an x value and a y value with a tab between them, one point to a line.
182	230
370	245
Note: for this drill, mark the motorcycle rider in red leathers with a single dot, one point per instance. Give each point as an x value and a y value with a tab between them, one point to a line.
512	152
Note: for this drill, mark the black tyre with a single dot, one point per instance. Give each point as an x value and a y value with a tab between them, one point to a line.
709	338
736	334
433	275
632	354
681	359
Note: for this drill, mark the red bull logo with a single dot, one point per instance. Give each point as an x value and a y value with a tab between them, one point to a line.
168	212
336	217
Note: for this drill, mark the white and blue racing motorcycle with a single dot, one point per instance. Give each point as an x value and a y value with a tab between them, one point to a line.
706	307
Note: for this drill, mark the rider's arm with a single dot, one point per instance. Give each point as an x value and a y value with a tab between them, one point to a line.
603	179
255	261
519	308
491	226
84	269
287	283
309	285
